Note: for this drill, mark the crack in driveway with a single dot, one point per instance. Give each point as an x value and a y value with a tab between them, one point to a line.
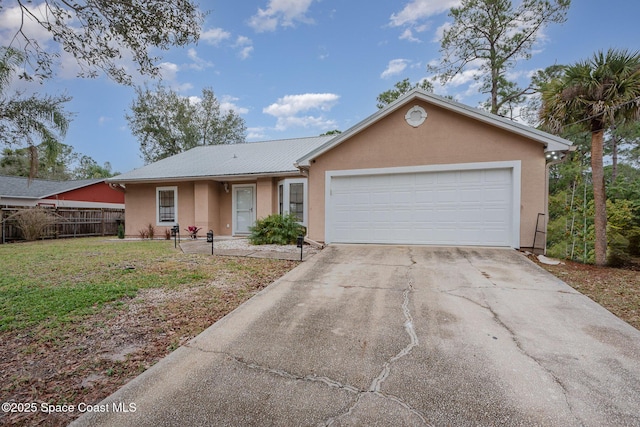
376	385
521	349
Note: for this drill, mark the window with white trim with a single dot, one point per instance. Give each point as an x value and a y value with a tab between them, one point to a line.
166	205
292	198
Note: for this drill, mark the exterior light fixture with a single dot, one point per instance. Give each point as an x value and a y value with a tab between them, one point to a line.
175	232
210	239
300	244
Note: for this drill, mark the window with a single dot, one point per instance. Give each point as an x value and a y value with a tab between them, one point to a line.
292	198
296	200
167	205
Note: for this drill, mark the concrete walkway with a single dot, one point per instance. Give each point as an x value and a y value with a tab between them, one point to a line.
202	247
398	336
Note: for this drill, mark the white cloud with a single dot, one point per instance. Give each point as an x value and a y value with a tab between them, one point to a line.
285	123
440	31
464	77
245	52
228	103
407	34
246	46
198	63
417	10
11	19
395	66
169	70
102	120
256	134
292	104
288	108
214	36
280	12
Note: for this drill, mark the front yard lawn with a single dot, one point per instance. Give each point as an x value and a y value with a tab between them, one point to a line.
79	318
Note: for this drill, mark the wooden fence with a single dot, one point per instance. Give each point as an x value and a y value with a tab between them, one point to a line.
78	222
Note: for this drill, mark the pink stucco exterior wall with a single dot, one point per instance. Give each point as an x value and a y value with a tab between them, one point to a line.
444	138
204	204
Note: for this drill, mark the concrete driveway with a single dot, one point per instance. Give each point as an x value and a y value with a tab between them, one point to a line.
392	336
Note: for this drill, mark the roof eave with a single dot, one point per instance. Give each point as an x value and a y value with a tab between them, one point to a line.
219	178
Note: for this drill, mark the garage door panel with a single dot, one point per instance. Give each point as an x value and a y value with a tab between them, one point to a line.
464	207
498	175
447	177
446	195
471	177
471	195
424	196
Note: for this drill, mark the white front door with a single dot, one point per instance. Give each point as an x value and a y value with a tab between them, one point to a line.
244	208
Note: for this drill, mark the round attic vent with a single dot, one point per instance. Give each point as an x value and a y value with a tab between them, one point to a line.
416	116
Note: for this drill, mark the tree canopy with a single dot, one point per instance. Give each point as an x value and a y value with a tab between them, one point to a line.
595	94
30	120
167	123
495	35
399	89
99	34
66	164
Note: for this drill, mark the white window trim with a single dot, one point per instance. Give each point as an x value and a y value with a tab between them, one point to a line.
285	203
175	203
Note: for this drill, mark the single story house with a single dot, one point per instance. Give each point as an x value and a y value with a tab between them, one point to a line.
89	193
423	170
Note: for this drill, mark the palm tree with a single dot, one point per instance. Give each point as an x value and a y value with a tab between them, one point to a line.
31	120
595	94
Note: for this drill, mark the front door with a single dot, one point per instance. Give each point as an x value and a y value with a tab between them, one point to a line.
244	214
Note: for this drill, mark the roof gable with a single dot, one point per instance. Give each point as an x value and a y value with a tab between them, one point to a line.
550	142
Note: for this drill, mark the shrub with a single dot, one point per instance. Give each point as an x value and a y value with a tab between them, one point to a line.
33	222
151	231
120	231
276	229
143	233
167	234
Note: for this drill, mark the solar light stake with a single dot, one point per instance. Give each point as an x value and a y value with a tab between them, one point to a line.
301	245
210	239
175	232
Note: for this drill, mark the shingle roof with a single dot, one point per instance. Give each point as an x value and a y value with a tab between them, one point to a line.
256	158
19	187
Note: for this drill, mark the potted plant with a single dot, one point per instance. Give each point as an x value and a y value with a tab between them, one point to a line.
193	231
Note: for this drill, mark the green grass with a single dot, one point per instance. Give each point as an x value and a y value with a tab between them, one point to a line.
53	282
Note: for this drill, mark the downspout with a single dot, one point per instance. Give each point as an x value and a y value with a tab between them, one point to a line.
562	159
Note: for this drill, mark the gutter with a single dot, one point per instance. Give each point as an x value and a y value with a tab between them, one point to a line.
216	178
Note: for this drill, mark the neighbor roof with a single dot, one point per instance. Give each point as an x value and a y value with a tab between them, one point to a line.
228	161
19	187
550	142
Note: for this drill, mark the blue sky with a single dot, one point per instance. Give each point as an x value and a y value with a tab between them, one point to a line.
295	68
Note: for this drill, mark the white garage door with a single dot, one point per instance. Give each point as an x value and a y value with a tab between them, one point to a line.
459	207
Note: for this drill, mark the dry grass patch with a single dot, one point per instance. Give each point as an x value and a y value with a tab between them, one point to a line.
616	289
150	299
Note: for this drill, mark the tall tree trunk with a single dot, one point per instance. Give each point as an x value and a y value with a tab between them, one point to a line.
599	195
614	157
